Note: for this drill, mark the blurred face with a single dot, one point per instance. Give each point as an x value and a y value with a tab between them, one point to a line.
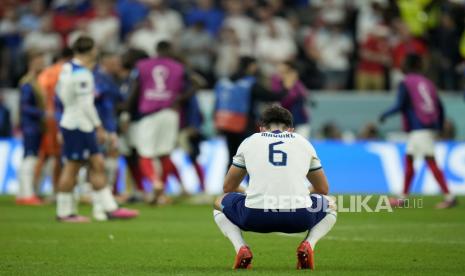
283	69
205	4
37	64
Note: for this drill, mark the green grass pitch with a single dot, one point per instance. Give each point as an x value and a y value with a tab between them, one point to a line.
184	240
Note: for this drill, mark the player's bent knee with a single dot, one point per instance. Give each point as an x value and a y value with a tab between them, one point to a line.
332	206
218	205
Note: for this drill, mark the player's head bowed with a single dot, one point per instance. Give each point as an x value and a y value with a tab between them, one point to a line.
276	117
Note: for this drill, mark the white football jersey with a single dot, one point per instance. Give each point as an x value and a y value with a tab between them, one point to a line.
75	89
277	163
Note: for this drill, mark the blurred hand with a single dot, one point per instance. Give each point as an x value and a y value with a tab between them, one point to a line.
60	138
381	119
113	139
101	135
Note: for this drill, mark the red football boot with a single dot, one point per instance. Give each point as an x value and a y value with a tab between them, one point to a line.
305	256
243	258
29	201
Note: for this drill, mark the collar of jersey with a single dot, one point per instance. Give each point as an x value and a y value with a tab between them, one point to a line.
277	131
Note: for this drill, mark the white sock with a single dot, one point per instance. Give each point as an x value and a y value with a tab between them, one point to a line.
321	229
26	177
74	203
229	229
64	204
111	167
106	199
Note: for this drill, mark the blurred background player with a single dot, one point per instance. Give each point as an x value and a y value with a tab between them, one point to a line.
237	98
33	115
423	116
107	97
190	134
157	90
277	199
296	99
82	130
50	148
128	115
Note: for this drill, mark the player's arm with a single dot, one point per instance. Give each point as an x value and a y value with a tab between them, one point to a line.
236	172
26	108
319	181
233	179
316	174
399	105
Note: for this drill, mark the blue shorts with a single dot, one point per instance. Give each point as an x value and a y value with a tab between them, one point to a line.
266	221
31	141
79	145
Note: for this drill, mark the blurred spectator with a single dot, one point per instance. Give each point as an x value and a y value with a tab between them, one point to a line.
369	132
131	13
228	53
446	50
146	38
31	19
104	27
296	99
272	47
82	28
5	120
205	11
45	40
370	14
242	25
267	18
11	39
164	20
374	57
331	131
334	48
198	47
403	45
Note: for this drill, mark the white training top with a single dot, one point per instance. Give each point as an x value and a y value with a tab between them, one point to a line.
277	163
75	89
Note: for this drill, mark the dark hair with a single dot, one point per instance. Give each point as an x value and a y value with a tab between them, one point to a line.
244	63
276	114
412	63
83	44
66	53
131	57
164	48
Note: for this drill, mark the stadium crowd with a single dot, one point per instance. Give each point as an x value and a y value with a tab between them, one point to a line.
338	44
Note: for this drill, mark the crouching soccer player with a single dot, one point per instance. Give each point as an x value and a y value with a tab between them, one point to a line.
279	164
80	129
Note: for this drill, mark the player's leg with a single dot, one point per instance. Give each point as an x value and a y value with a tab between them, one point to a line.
147	169
103	199
66	205
326	218
449	200
413	148
232	202
26	194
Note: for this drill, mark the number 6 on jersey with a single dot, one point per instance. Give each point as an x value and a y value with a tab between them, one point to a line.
273	155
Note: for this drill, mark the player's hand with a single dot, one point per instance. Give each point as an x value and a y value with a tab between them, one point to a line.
59	138
101	135
113	140
381	119
49	114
